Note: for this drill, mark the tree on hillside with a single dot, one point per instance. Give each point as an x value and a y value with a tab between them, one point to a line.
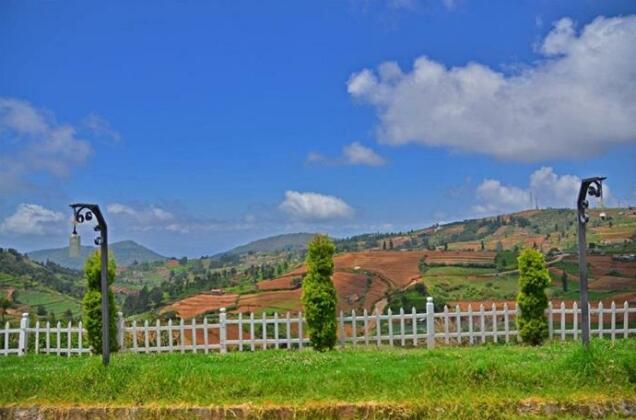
483	246
68	315
319	295
390	243
564	280
5	304
532	299
92	302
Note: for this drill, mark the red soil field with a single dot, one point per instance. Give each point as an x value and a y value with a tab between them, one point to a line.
386	269
280	301
613	283
200	304
603	264
400	268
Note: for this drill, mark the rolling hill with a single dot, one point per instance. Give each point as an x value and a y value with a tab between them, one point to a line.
125	252
286	242
31	286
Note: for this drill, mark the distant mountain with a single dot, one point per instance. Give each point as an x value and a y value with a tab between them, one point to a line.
285	242
125	252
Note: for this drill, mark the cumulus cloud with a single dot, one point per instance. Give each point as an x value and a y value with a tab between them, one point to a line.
32	219
143	215
32	142
545	189
101	127
151	217
309	206
352	154
580	99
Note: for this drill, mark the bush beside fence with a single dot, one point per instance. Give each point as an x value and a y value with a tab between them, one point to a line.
243	332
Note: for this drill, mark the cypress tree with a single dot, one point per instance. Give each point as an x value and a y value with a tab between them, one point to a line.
532	299
319	295
92	303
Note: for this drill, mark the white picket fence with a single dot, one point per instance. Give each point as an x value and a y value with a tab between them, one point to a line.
239	332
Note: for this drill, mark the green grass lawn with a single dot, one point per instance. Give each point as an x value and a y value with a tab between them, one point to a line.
461	379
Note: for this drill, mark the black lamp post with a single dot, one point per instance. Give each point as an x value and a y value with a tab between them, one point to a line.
593	187
84	212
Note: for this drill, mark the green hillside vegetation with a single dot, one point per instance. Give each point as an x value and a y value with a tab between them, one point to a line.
287	242
126	252
44	289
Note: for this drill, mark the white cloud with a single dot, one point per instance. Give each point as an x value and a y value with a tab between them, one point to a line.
101	127
494	197
357	154
151	217
32	219
310	206
579	100
31	142
545	189
352	154
142	215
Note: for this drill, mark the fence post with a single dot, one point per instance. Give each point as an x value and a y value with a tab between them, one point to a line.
222	331
120	331
23	338
430	323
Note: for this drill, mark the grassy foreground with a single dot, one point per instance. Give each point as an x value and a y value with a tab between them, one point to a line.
470	377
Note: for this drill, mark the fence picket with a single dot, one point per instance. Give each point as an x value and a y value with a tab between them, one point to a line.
146	338
6	338
68	340
182	334
205	335
458	326
482	324
301	338
194	335
288	328
414	316
79	337
402	337
158	337
494	322
170	348
575	320
470	324
240	331
59	338
562	321
390	318
377	328
354	333
37	337
506	323
600	319
134	335
613	322
264	332
366	327
48	337
625	319
252	346
550	321
446	336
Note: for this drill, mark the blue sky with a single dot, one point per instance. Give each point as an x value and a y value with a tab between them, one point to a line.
200	125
